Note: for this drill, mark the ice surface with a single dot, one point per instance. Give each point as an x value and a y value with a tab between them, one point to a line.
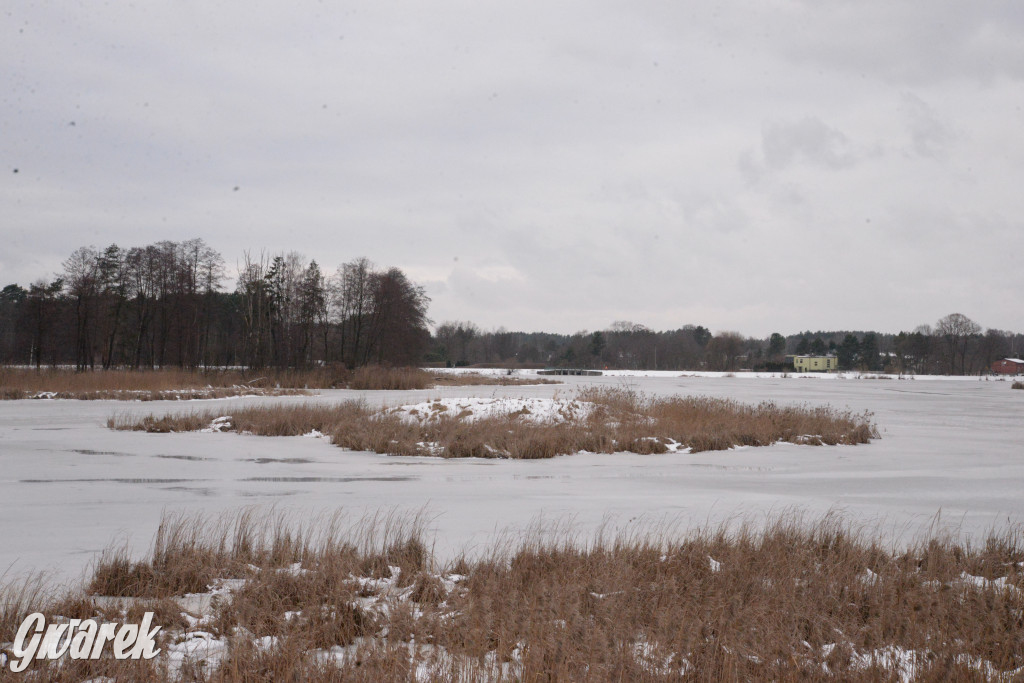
69	486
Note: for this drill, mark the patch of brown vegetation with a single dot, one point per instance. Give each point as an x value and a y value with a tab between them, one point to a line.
388	378
794	599
1017	385
189	551
160	385
180	422
173	384
620	420
184	559
380	377
18	598
459	379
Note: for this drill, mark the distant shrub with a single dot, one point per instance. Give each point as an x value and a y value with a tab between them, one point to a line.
1017	385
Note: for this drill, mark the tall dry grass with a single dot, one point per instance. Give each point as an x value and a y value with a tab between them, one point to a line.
796	598
377	377
615	420
383	377
164	384
178	384
190	550
19	597
1017	385
459	379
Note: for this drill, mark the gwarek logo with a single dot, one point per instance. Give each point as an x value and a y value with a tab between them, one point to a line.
82	639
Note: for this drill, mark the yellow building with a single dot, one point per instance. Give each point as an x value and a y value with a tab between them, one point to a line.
815	363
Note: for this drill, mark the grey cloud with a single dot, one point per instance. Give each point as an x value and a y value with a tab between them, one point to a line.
906	42
929	135
716	214
808	140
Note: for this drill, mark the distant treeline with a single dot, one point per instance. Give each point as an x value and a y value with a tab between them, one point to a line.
165	305
955	345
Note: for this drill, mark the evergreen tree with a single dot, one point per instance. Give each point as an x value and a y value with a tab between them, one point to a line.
867	352
847	352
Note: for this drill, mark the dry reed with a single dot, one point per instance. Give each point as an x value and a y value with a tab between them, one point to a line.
618	420
792	599
459	379
157	385
377	377
388	378
171	384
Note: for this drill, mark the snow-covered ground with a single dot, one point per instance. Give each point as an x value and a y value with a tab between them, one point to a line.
69	486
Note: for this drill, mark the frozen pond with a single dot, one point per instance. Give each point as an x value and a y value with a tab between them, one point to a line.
69	486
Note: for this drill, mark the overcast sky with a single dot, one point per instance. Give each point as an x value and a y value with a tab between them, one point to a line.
541	165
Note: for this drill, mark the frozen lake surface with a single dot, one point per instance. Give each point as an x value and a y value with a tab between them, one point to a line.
69	487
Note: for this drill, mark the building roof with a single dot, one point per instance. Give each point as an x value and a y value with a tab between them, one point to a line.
1015	360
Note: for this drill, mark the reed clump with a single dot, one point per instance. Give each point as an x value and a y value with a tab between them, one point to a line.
789	598
388	378
600	420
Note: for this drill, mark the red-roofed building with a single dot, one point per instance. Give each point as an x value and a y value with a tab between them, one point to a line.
1008	366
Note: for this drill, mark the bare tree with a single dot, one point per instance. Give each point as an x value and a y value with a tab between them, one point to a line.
993	346
455	336
312	309
957	330
114	282
82	282
397	328
199	272
354	298
253	291
724	350
143	286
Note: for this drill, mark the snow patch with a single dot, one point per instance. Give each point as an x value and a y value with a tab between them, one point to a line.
196	646
219	424
536	410
868	578
982	583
